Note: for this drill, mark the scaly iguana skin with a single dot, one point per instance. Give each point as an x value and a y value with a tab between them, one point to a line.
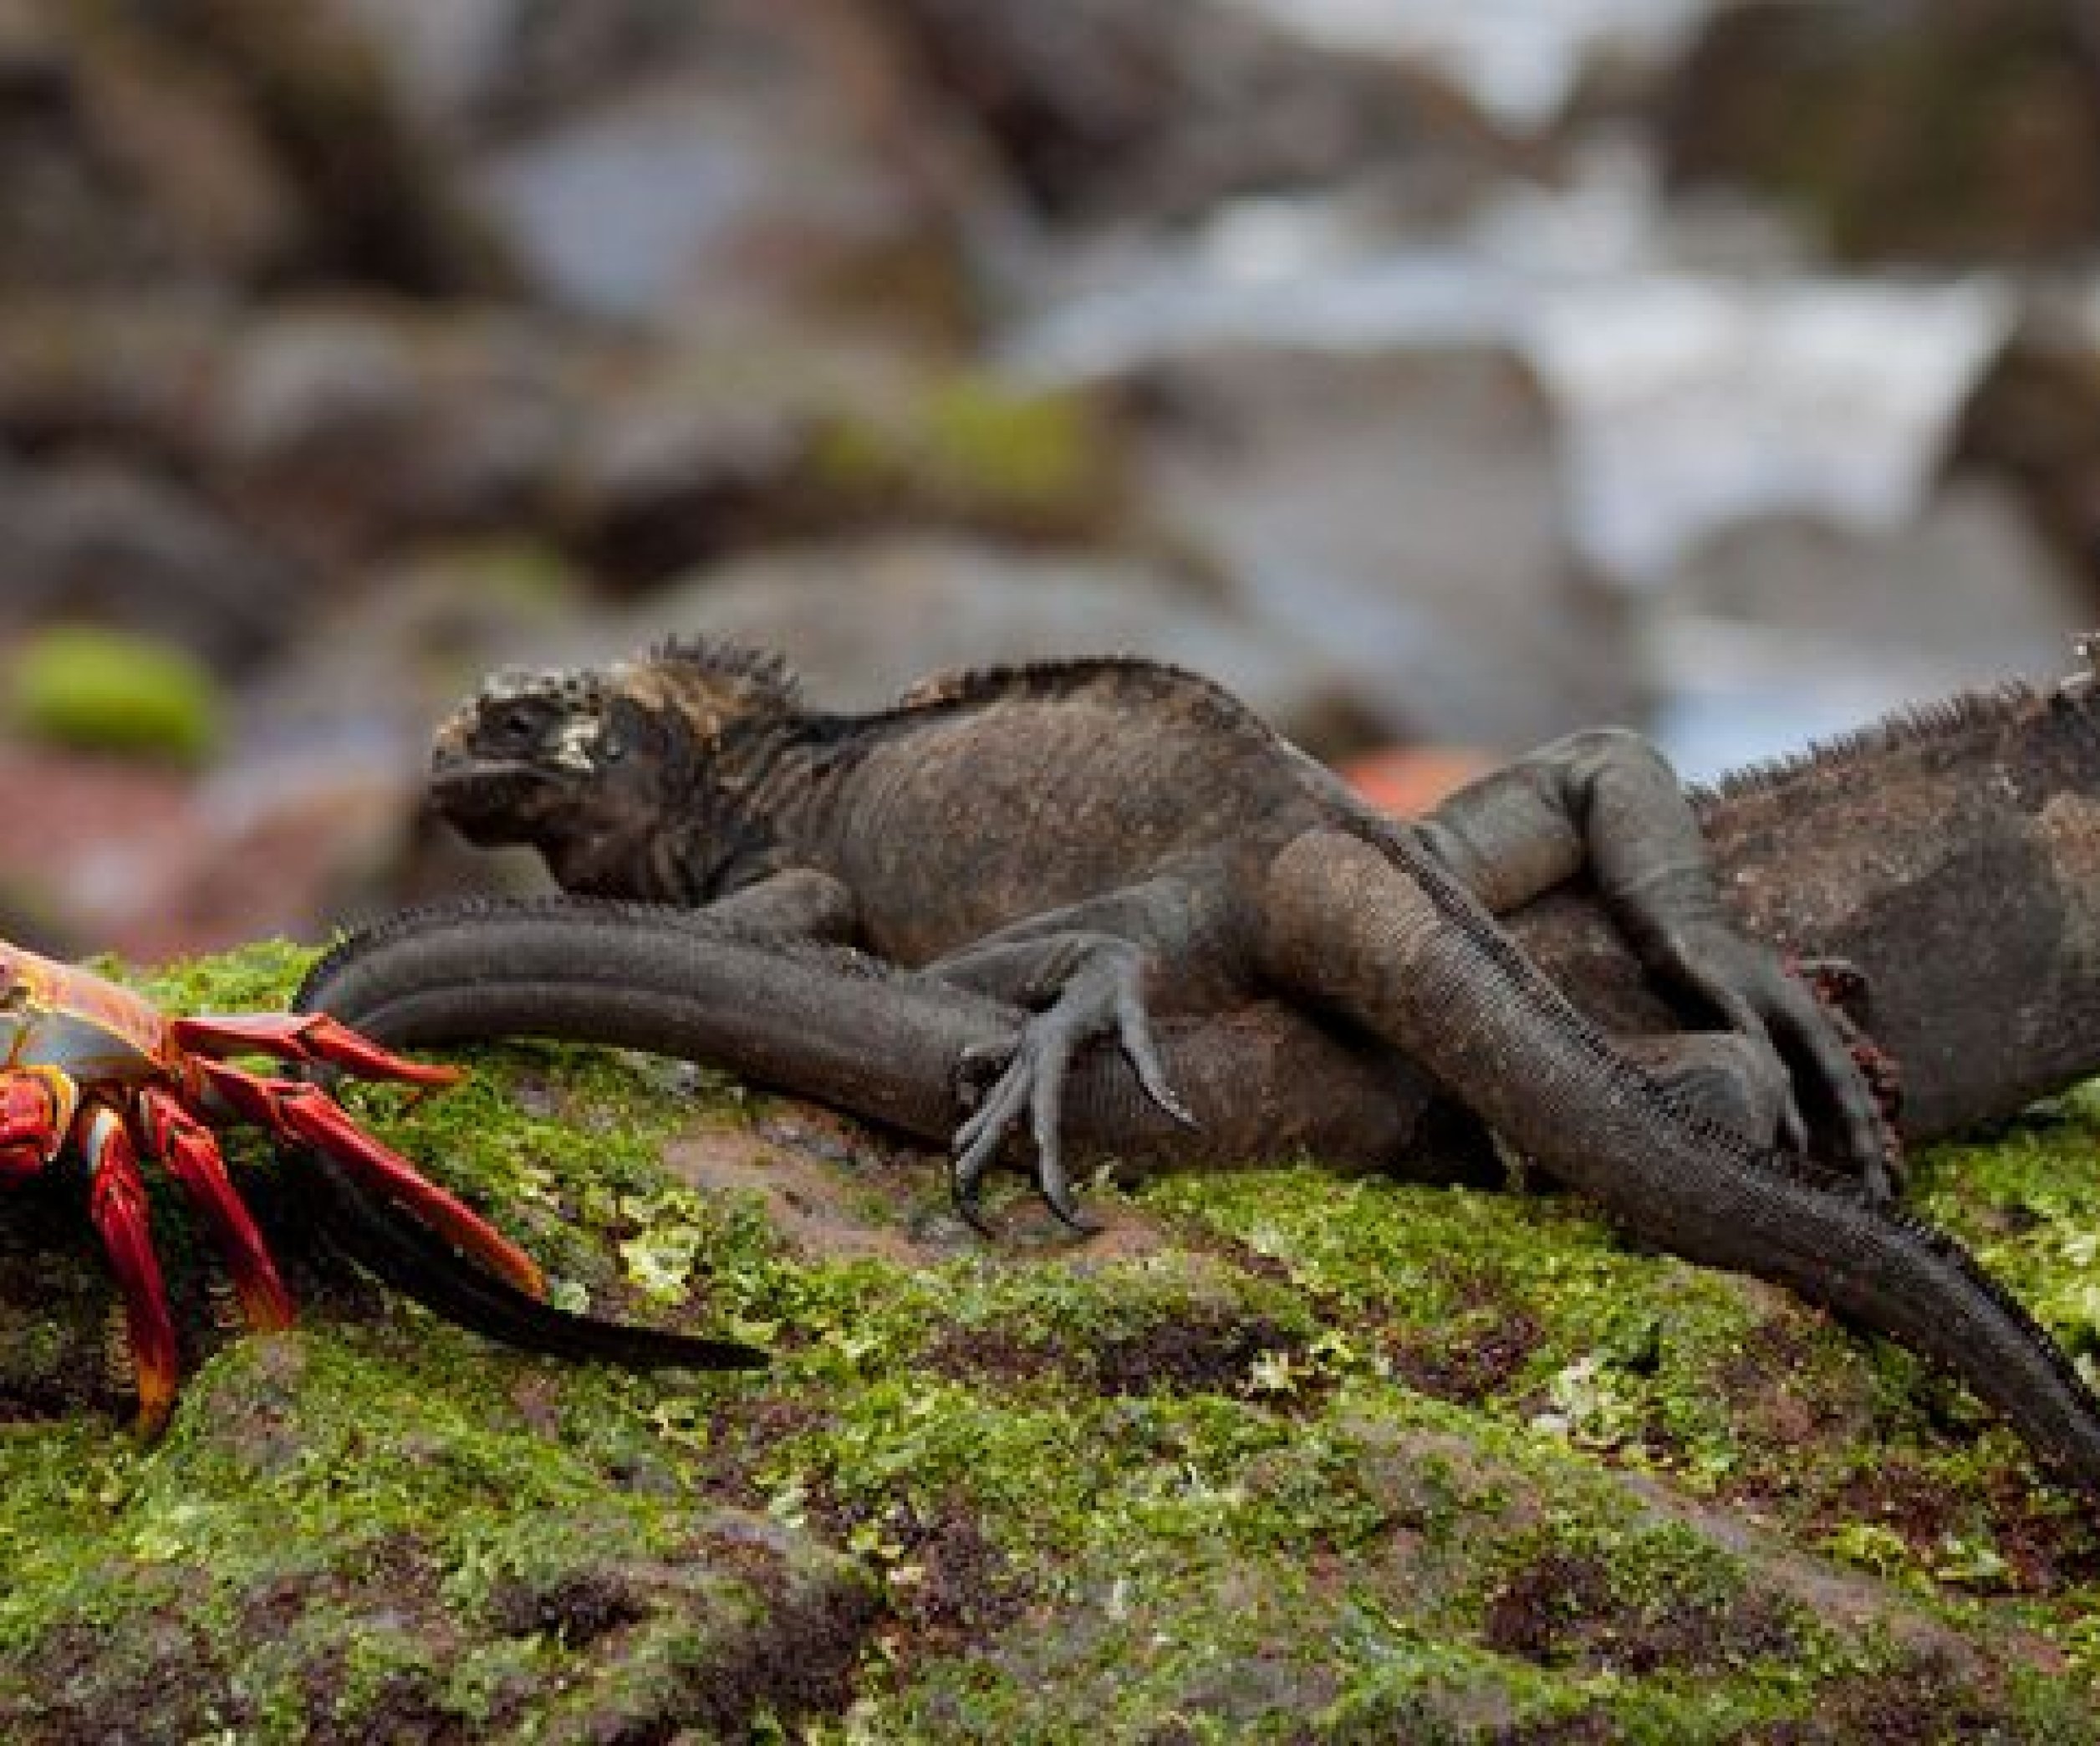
1397	946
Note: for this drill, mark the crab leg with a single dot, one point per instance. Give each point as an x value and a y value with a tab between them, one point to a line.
192	1154
304	1111
117	1203
310	1037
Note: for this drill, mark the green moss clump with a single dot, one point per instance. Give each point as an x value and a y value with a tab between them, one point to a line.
973	449
104	691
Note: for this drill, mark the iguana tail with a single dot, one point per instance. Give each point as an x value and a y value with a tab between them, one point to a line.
1367	922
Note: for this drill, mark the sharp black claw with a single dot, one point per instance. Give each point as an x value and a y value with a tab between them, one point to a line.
964	1184
1071	1218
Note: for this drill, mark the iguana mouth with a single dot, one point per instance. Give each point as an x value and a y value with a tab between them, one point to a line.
482	797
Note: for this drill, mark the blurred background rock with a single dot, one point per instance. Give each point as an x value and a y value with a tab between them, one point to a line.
1441	377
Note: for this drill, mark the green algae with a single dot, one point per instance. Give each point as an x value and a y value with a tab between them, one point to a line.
968	447
1317	1460
94	690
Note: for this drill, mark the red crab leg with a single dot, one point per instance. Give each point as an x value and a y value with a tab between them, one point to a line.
117	1203
304	1111
193	1156
313	1037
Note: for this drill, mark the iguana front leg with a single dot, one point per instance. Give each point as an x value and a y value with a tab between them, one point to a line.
1607	801
1080	972
793	903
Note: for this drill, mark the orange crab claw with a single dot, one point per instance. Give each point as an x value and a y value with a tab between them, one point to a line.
304	1111
310	1037
117	1203
192	1156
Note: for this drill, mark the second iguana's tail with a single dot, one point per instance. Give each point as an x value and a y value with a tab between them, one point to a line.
1368	923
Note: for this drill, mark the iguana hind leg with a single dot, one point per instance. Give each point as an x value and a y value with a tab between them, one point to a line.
1606	801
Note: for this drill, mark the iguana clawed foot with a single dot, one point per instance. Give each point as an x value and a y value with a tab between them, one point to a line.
1102	999
1752	988
1841	990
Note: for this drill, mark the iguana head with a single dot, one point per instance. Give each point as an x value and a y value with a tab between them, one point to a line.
599	768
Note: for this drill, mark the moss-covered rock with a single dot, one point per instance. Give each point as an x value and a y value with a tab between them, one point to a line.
970	449
1275	1457
103	690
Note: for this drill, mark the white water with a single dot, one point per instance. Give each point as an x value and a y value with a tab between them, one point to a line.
1519	59
1690	397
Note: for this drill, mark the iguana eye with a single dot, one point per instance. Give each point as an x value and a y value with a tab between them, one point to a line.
611	748
516	725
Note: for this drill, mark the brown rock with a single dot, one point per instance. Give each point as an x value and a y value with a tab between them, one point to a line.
1100	107
210	144
108	543
348	429
645	161
2034	420
1944	130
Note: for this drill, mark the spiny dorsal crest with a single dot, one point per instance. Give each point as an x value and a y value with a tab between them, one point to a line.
713	684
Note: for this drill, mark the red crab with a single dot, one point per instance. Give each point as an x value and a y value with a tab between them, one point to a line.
87	1064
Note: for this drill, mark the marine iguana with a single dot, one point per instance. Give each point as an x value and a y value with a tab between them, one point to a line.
886	1043
1099	842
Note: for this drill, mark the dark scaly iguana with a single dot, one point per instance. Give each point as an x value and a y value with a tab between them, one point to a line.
1099	842
1277	1053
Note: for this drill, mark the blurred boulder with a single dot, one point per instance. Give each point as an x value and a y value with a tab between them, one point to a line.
1787	629
717	453
1100	109
661	159
2033	422
209	144
1400	512
1967	583
862	623
1939	130
103	543
106	372
348	429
